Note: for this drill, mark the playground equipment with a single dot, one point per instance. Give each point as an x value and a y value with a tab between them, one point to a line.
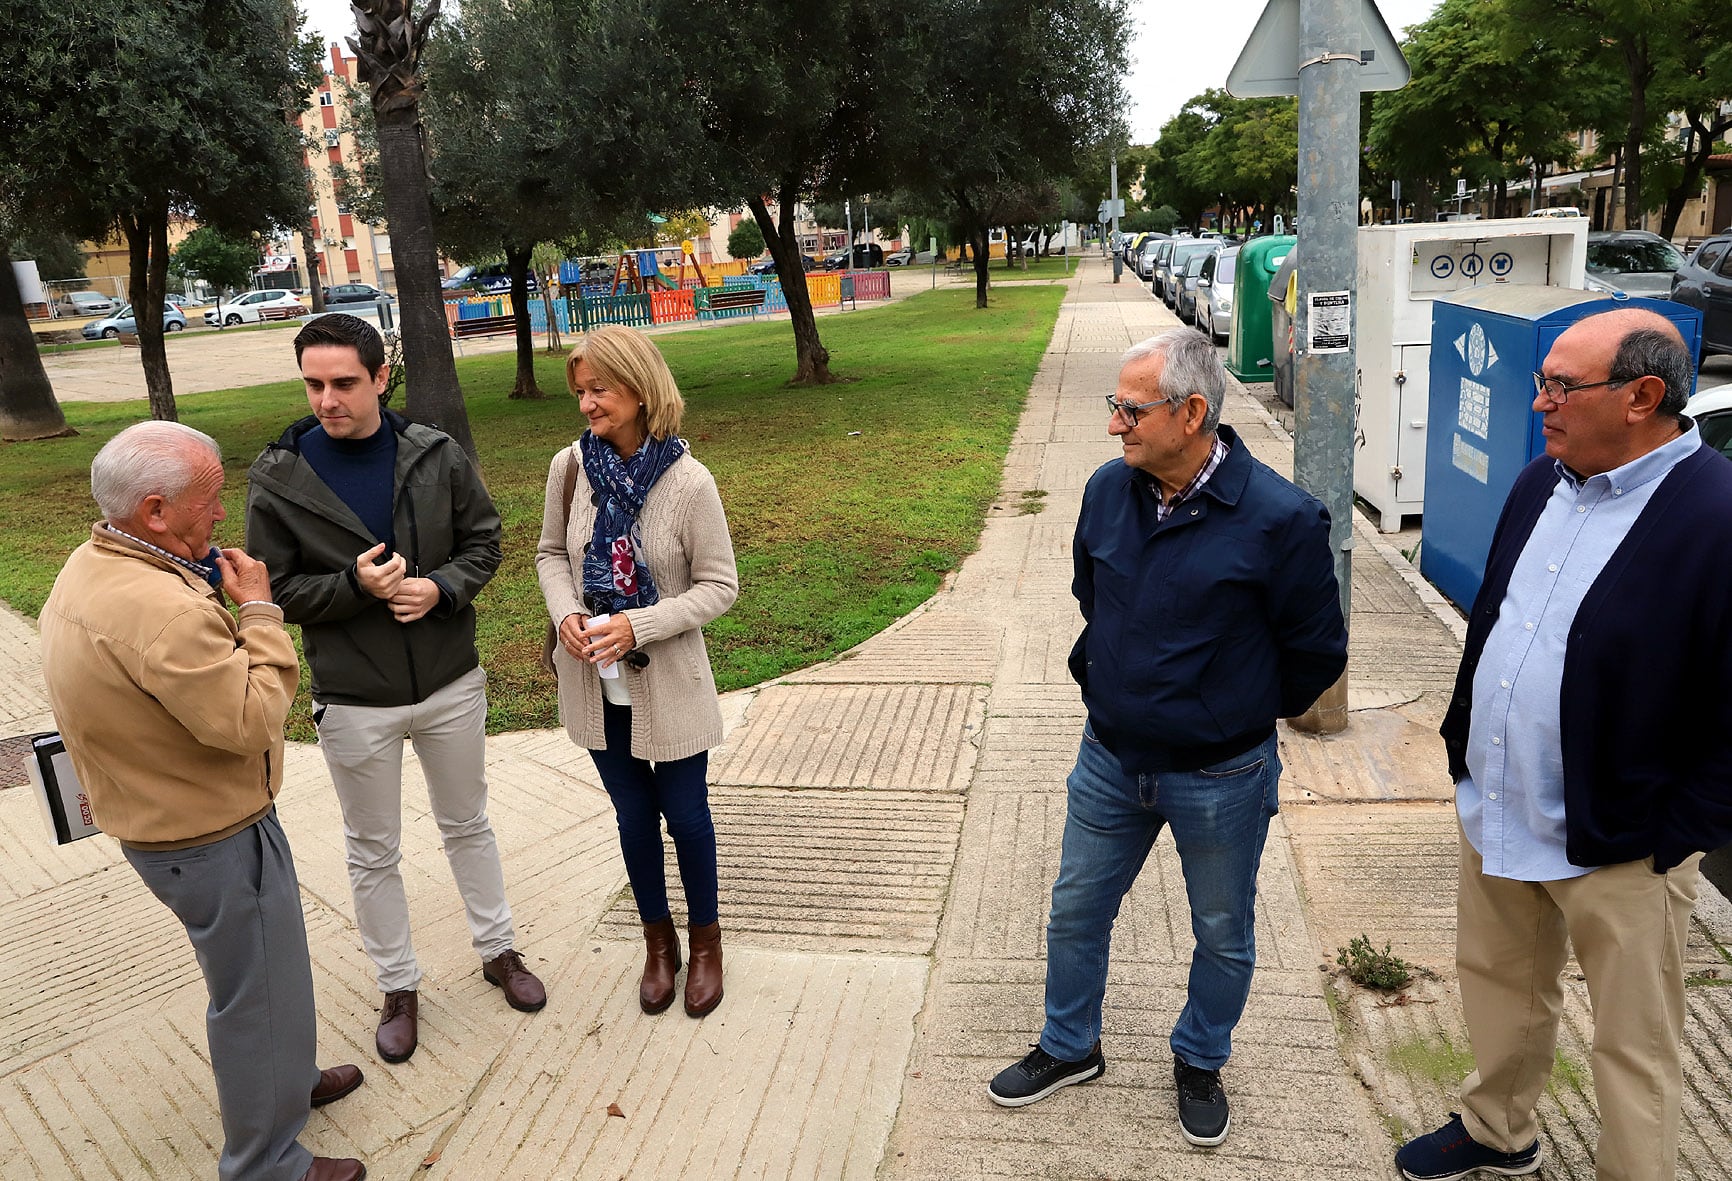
639	272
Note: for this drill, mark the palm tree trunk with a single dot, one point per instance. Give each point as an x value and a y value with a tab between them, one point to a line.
433	394
309	250
28	409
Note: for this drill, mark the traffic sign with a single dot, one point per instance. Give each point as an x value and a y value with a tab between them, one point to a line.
1269	63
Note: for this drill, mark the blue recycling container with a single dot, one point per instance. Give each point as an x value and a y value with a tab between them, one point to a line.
1482	429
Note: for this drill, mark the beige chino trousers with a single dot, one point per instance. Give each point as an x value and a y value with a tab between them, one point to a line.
1628	925
363	748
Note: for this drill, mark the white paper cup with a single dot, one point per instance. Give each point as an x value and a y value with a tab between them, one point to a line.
610	670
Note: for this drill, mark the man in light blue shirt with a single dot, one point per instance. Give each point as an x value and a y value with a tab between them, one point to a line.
1587	782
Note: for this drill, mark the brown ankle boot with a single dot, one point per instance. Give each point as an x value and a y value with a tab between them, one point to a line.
661	962
704	975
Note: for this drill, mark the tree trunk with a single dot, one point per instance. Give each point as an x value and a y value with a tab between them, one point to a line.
433	394
517	264
811	358
28	409
315	286
553	342
147	286
1636	68
1700	147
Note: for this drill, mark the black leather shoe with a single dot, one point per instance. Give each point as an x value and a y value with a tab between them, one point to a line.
335	1083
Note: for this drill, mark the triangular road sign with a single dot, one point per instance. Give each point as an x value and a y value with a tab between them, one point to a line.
1269	63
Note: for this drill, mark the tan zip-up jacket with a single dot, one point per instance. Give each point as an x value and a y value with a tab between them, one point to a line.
172	710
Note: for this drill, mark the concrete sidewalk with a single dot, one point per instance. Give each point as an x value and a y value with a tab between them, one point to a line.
888	826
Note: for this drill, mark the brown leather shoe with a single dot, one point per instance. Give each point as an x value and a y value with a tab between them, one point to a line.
523	991
328	1168
399	1030
704	973
335	1083
661	963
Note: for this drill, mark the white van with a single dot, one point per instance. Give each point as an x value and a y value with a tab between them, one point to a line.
1557	211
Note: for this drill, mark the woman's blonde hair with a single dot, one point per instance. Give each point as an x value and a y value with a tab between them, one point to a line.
628	360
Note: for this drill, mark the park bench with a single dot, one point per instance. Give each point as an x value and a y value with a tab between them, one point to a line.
462	330
282	313
732	298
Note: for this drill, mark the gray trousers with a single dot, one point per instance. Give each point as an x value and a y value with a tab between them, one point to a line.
241	906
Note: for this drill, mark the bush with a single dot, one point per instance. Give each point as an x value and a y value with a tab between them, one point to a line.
1370	968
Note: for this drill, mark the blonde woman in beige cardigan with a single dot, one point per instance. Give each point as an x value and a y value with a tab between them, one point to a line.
631	574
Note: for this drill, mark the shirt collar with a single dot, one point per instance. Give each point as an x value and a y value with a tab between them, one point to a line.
203	569
1649	466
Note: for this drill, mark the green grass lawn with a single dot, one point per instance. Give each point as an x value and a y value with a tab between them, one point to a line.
847	503
1038	268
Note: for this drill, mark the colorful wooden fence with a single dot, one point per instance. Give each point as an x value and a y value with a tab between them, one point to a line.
871	284
671	307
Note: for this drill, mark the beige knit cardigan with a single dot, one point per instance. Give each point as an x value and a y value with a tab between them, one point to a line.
674	712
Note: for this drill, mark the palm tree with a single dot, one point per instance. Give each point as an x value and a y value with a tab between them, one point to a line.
388	42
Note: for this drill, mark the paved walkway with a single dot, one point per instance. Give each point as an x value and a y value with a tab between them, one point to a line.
889	827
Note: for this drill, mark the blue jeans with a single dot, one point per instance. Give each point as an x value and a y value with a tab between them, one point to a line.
644	792
1219	816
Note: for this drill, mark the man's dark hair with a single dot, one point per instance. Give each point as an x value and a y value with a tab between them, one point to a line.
1650	352
344	331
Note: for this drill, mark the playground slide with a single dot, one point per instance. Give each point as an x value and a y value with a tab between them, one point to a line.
649	269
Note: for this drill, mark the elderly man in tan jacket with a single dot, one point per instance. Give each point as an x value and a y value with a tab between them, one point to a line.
172	711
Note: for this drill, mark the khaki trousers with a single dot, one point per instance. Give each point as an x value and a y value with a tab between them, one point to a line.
1628	926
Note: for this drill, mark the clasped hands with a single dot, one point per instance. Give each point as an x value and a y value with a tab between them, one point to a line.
408	598
600	643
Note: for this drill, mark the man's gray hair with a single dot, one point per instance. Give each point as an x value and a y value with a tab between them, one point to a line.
147	459
1648	352
1189	366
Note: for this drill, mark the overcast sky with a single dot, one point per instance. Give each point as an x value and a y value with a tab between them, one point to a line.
1204	39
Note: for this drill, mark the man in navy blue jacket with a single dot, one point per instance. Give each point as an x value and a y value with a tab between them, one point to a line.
1211	609
1588	783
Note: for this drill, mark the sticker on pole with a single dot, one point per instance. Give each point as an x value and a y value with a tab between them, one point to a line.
1329	324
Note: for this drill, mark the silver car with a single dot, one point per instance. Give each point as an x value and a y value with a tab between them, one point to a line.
1215	294
1634	261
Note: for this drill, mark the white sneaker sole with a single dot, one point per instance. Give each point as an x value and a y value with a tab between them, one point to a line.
1206	1141
1025	1100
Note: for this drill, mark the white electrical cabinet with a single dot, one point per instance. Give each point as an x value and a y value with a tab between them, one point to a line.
1402	268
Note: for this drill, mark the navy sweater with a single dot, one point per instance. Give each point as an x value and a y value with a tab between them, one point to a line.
1203	629
1645	705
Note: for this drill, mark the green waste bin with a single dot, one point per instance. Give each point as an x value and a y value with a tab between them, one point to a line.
1250	355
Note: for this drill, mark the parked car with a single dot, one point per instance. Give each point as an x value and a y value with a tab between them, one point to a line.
1556	211
1712	412
1185	299
767	266
250	308
1215	294
866	254
458	279
1157	265
340	293
1705	283
1634	261
1184	250
1146	256
85	303
109	327
900	258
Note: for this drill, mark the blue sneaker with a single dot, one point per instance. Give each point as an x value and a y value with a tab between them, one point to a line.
1450	1152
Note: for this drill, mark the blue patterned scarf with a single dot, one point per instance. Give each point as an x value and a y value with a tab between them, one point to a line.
614	574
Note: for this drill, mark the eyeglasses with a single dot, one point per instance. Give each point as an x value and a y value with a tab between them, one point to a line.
1559	391
1130	409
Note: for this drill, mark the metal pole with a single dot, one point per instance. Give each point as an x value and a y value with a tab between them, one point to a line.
1118	259
848	212
866	216
1328	243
